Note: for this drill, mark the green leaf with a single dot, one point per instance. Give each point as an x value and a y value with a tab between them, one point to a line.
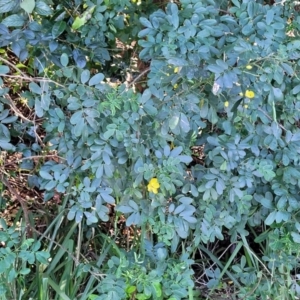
79	216
7	5
267	203
174	9
85	76
45	175
125	209
50	185
96	79
277	94
130	289
296	237
38	108
184	123
79	127
12	275
174	121
145	22
295	137
9	119
108	198
175	21
269	16
24	271
236	3
35	88
28	5
278	26
4	69
42	257
278	74
178	62
282	216
14	21
150	109
287	68
45	101
109	133
189	219
179	209
64	59
76	117
5	145
42	8
296	89
215	69
81	20
146	96
58	28
271	218
227	126
59	113
90	217
176	151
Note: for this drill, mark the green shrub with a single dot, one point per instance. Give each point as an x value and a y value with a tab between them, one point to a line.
223	79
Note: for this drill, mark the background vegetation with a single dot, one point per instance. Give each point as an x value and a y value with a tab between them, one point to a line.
149	149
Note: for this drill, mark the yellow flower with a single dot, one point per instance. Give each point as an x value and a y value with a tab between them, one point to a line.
153	185
226	104
176	70
249	94
175	86
248	67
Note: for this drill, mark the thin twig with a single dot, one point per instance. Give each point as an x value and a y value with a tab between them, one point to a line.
13	66
138	77
16	110
25	76
34	157
225	11
41	156
18	113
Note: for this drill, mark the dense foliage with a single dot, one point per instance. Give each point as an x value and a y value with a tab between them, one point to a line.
222	79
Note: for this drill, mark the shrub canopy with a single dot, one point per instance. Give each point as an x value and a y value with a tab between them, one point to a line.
223	79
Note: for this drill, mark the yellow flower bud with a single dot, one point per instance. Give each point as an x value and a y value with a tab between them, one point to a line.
248	67
249	94
175	86
241	94
176	70
246	106
226	103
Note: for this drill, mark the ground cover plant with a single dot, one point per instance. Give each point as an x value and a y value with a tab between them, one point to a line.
149	149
